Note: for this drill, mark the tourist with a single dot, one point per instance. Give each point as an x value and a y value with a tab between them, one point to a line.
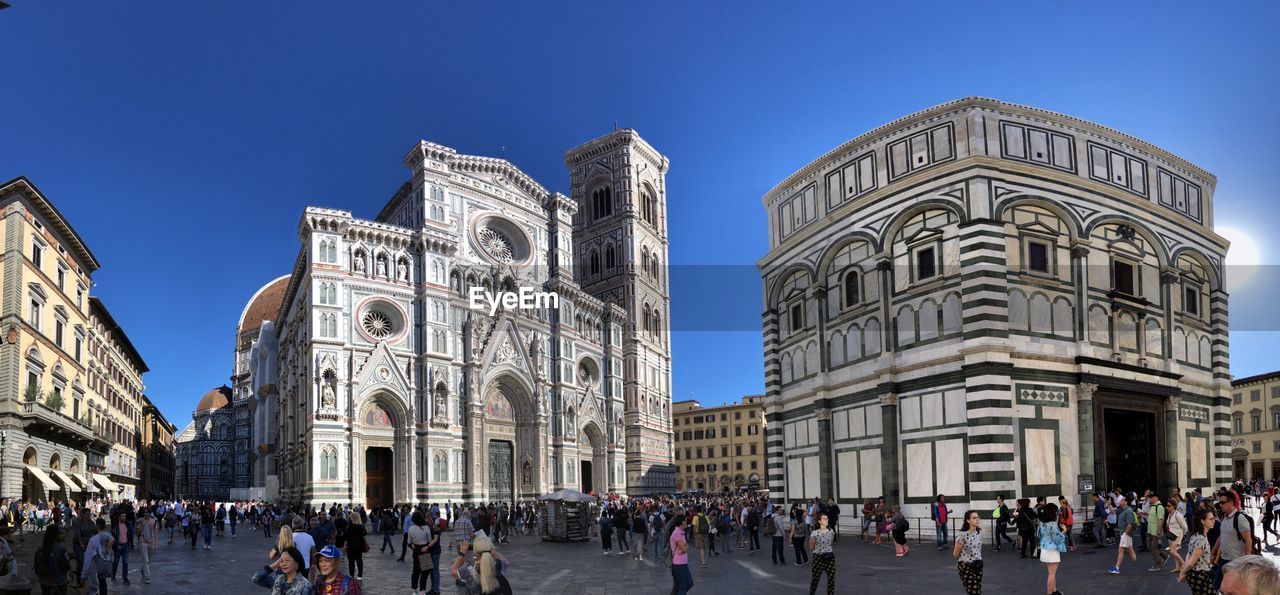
1024	519
148	537
305	544
1002	517
640	533
657	534
968	553
122	535
833	513
1052	544
221	518
1251	575
753	528
1156	515
868	516
1177	524
354	543
799	534
387	525
463	530
726	529
606	531
8	561
1066	518
420	541
939	515
824	557
291	581
485	575
1235	537
699	530
1197	569
97	559
206	524
52	563
81	532
406	523
329	579
881	519
681	578
621	527
233	515
1124	526
774	529
1099	520
899	526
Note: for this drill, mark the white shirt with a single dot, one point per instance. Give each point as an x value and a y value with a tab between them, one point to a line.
305	543
97	547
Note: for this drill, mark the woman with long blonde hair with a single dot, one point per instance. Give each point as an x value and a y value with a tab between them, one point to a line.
484	576
284	541
266	576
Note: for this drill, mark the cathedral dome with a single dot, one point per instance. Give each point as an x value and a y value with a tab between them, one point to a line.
262	306
215	399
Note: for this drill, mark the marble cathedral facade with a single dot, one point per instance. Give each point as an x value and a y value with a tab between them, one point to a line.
377	381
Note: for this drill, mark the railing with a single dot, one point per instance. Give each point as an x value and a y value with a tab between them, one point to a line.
923	529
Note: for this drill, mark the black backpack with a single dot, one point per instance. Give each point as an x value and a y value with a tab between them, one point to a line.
1235	524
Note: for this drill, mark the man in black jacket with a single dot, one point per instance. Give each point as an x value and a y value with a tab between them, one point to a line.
1002	521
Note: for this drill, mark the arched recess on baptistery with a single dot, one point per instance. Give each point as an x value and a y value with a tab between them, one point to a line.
382	421
509	436
1002	212
903	218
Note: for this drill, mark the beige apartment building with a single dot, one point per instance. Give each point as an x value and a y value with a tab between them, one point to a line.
1255	427
70	380
719	449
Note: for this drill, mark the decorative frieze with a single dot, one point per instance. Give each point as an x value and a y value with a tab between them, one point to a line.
1042	395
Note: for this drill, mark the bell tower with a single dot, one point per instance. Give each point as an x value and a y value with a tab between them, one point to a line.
620	252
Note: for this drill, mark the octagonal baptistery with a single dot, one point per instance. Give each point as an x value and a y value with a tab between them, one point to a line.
984	298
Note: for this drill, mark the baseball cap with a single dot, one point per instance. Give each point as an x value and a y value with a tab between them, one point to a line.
330	551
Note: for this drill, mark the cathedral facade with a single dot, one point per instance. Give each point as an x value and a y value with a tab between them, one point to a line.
984	298
379	380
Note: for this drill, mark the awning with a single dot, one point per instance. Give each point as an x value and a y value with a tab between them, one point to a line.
66	481
106	484
84	483
43	477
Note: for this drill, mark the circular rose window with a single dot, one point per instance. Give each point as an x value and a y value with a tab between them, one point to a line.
381	320
496	244
377	324
500	240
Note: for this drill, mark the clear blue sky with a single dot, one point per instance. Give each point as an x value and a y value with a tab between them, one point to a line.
183	139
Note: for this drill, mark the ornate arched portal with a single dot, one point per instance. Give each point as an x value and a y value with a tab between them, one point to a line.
381	452
510	466
593	459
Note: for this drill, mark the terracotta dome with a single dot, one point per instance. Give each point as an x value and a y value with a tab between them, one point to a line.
215	399
263	305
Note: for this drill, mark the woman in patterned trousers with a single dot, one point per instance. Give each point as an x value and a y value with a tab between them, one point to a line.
824	558
968	553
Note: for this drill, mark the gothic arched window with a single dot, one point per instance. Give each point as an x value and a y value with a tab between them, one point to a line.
595	262
610	260
602	202
649	208
440	467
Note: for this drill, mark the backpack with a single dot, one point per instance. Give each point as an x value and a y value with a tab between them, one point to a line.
770	527
1257	543
902	524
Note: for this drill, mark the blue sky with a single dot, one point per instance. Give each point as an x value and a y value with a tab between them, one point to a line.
184	139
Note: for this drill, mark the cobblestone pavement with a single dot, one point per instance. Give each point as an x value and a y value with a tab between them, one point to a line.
539	567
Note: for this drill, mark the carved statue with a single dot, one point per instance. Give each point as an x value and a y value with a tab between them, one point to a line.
327	398
382	268
526	476
441	407
402	271
357	263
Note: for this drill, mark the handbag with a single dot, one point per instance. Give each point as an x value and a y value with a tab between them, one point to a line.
424	559
366	546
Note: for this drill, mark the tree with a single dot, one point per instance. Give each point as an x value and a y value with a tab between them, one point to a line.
32	393
54	401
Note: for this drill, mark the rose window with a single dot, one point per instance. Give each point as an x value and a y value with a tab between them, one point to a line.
377	324
496	244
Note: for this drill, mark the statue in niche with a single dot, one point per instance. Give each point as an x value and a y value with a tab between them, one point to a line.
526	474
402	271
357	262
382	268
327	399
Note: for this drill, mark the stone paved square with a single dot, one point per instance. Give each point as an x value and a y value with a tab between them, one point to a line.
545	568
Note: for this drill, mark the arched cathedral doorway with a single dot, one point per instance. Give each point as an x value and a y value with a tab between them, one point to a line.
592	459
382	453
510	443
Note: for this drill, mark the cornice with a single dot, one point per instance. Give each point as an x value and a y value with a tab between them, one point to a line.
613	140
24	186
879	133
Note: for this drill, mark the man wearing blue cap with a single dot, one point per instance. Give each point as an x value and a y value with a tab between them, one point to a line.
330	579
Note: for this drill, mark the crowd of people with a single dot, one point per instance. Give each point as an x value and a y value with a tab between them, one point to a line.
1213	544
